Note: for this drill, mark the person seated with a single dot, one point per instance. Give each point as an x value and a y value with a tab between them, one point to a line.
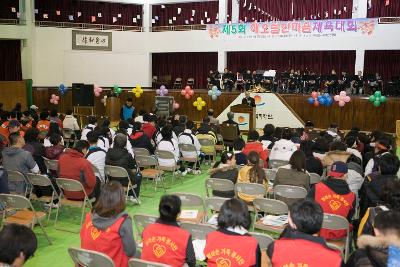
381	147
381	249
104	137
14	127
337	152
232	240
268	139
225	169
119	156
148	126
299	244
187	137
17	159
320	148
254	145
54	118
43	124
205	127
96	155
167	143
230	120
92	124
18	244
202	133
334	131
313	165
72	164
388	166
3	178
335	197
139	139
178	129
351	142
108	227
389	199
210	114
165	241
56	149
53	129
139	118
36	148
293	174
26	120
70	122
127	110
253	172
157	136
283	148
355	177
240	157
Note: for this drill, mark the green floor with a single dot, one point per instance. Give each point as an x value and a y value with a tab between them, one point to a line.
57	255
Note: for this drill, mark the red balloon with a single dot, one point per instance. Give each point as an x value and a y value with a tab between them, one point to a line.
314	94
191	92
187	88
187	96
316	103
183	92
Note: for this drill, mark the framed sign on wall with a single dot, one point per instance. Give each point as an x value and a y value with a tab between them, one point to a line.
91	40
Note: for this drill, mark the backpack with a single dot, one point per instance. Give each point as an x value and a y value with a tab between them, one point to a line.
188	134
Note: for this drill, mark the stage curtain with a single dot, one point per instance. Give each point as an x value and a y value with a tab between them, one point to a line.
6	9
88	9
385	62
302	9
380	9
10	60
320	62
171	10
185	65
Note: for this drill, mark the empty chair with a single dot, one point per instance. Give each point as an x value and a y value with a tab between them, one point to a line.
139	151
198	230
178	83
143	263
119	173
141	221
275	164
221	185
250	191
289	193
336	222
264	240
150	169
51	165
270	174
315	178
269	207
167	156
25	213
17	183
89	258
192	202
190	82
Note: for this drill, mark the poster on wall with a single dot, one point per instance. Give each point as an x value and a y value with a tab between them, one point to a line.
91	40
332	28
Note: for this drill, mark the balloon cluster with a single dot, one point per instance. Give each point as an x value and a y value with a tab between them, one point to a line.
117	89
316	99
163	91
214	93
175	106
104	100
187	92
54	99
377	98
62	89
137	91
342	98
97	90
199	103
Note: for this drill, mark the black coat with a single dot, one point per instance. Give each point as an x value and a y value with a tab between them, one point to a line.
251	102
121	158
139	139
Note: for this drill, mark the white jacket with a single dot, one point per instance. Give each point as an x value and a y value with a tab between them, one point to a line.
185	139
282	150
169	146
70	122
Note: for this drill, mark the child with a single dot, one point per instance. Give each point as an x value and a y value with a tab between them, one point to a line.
238	145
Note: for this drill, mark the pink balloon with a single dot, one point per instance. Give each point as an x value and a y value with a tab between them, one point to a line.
187	88
314	94
158	91
342	93
176	105
52	100
99	89
191	92
187	96
347	99
183	92
53	96
55	102
316	103
342	103
336	97
57	98
97	94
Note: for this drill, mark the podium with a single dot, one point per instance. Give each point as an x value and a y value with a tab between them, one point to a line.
247	111
113	108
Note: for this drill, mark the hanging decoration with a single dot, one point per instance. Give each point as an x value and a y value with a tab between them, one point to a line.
342	98
163	91
62	89
104	100
54	99
97	90
214	93
314	99
138	91
377	98
117	89
199	103
187	92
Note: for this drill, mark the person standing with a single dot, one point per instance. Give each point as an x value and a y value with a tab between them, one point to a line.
127	110
248	100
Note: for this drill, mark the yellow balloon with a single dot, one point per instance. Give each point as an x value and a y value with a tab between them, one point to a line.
199	99
203	103
137	95
199	107
195	103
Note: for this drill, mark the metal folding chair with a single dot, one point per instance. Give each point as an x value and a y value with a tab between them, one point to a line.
167	155
51	164
253	189
268	206
264	240
25	215
209	144
69	136
270	174
336	222
89	258
315	178
22	185
275	164
150	170
289	193
218	185
139	151
198	230
66	184
142	263
120	173
192	201
189	149
141	221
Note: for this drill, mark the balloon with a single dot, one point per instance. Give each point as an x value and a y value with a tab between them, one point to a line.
342	98
158	91
137	95
117	89
57	98
342	93
62	89
97	94
214	93
322	101
199	103
347	99
175	105
187	92
187	97
162	91
316	103
51	100
314	94
53	96
55	102
214	97
378	94
342	103
336	97
377	103
372	98
311	100
137	91
377	98
54	99
383	99
162	87
191	92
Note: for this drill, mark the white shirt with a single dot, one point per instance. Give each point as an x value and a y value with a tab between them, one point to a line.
88	128
103	143
169	146
70	122
139	119
159	137
355	152
98	159
282	150
185	139
46	142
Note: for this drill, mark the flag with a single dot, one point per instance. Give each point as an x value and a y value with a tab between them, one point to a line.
93	18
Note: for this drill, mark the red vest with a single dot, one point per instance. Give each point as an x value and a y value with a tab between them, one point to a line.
165	244
333	203
107	241
43	125
300	252
230	250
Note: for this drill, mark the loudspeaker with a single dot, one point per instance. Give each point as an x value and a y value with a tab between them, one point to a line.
82	94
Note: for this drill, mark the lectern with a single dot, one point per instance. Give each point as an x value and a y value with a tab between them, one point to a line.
113	108
249	111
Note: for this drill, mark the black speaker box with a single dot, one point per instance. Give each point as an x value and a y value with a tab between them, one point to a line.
82	94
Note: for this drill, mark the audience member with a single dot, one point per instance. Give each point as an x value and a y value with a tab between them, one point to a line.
210	114
298	244
17	110
54	118
157	250
96	155
238	146
139	118
128	110
335	197
148	126
187	137
355	177
337	152
254	145
205	127
381	147
268	139
178	129
139	139
92	124
14	127
283	148
43	124
232	235
111	224
70	122
18	244
3	178
313	165
167	143
321	147
351	142
36	148
53	129
56	149
225	169
103	137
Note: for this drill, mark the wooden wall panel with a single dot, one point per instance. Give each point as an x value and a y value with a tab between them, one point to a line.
12	92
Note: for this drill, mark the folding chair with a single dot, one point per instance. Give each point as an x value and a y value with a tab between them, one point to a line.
198	230
51	164
167	155
256	190
268	206
22	186
209	144
25	215
192	201
142	263
189	149
97	173
218	185
336	222
264	240
71	185
270	174
289	193
119	173
150	170
178	83
139	151
69	136
315	178
229	133
89	258
190	82
42	180
141	221
275	164
213	204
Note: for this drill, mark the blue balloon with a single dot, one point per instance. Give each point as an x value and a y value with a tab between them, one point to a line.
311	100
218	93
320	97
214	97
210	92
